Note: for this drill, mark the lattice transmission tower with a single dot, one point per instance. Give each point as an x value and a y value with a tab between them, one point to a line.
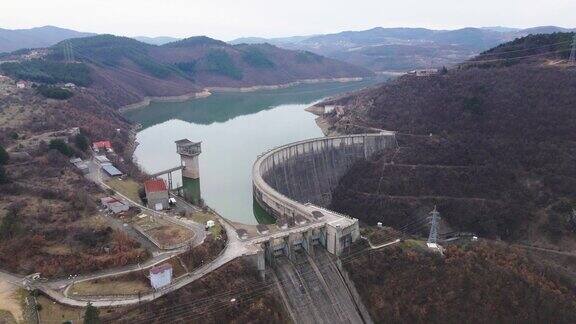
434	223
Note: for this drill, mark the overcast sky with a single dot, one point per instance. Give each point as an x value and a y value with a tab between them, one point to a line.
228	19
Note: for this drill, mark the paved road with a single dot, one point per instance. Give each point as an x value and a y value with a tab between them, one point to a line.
57	289
531	247
12	278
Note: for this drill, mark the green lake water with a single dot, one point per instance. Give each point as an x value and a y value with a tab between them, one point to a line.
234	129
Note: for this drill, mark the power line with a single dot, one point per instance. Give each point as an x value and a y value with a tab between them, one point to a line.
257	290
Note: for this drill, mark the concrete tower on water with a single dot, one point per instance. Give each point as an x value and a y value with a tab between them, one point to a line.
189	152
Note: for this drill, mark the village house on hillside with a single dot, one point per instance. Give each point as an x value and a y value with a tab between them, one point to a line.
423	72
21	84
114	205
157	194
161	276
105	146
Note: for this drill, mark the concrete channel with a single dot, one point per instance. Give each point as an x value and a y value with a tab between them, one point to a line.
313	289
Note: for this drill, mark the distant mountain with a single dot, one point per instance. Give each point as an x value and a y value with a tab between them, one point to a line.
402	49
274	41
161	40
122	70
501	29
12	40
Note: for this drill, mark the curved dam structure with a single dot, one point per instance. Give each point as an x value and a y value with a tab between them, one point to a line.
294	184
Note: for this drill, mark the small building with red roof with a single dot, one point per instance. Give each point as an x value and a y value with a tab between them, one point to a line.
99	146
157	194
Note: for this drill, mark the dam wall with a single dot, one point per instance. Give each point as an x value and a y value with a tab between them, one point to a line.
294	182
309	170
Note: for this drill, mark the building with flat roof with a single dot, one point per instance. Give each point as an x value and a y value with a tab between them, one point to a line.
114	205
157	194
102	159
111	170
161	276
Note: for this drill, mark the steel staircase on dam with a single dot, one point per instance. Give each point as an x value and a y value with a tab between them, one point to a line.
314	291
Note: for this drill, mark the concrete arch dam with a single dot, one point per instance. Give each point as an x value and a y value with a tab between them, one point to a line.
308	171
294	182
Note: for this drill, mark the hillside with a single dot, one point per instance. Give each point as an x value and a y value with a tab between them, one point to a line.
48	210
476	283
124	71
490	143
12	40
160	40
403	49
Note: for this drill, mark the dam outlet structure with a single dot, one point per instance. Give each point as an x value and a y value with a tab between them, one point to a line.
189	153
294	184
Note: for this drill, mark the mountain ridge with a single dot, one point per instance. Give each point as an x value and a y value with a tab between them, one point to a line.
124	71
404	48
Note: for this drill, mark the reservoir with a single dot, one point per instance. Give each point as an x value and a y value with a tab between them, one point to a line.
234	128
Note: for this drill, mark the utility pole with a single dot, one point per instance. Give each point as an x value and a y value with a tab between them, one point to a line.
434	222
572	60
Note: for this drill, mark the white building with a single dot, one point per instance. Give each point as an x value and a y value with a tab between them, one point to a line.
424	72
102	159
161	276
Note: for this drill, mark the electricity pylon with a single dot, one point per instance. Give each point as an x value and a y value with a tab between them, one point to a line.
434	222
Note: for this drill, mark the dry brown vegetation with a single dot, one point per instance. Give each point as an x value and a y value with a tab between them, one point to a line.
500	162
208	300
476	283
54	228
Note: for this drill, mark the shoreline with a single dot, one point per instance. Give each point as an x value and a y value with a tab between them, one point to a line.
206	92
326	127
148	100
282	85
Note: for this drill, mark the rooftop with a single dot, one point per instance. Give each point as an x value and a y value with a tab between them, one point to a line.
102	158
161	268
111	170
102	144
185	141
155	185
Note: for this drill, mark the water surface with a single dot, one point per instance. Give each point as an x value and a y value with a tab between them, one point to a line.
234	129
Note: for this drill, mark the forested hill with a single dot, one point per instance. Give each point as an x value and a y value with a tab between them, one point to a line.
124	71
492	145
532	48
